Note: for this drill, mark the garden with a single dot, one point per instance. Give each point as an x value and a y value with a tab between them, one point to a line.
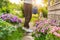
12	21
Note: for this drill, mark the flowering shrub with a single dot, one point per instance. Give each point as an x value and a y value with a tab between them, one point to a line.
11	18
45	23
44	27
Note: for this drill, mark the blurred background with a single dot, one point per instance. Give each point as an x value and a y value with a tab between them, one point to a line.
15	7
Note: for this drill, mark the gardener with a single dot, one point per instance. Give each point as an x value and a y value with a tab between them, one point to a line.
27	14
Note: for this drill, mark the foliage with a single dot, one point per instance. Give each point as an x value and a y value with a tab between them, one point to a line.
19	13
45	12
18	10
50	36
5	29
17	35
7	7
41	37
34	17
3	23
4	5
9	32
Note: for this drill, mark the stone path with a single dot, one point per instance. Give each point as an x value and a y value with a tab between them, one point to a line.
28	38
28	35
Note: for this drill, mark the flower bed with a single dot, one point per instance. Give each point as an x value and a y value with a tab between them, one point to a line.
44	28
11	18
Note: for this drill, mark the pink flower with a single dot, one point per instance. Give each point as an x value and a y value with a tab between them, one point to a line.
42	30
45	21
58	28
56	34
46	28
54	29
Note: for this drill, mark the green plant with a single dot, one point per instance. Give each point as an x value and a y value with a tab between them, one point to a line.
40	36
9	32
50	36
45	12
34	17
5	29
16	35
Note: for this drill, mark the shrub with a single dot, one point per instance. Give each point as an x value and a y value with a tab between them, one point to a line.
9	32
5	29
42	29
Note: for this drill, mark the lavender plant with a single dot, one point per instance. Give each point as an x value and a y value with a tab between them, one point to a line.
11	18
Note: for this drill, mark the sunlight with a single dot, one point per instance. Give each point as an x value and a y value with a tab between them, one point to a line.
39	2
15	1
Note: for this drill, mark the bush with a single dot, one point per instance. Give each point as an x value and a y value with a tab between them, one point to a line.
16	35
41	29
5	29
9	32
45	28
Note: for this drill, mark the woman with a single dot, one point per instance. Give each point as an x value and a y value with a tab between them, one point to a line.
27	14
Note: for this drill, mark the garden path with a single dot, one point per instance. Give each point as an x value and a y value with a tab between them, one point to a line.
28	35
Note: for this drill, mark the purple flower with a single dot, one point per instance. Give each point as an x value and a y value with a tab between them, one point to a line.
11	18
45	21
37	25
42	30
8	16
46	28
4	16
14	19
53	21
19	20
